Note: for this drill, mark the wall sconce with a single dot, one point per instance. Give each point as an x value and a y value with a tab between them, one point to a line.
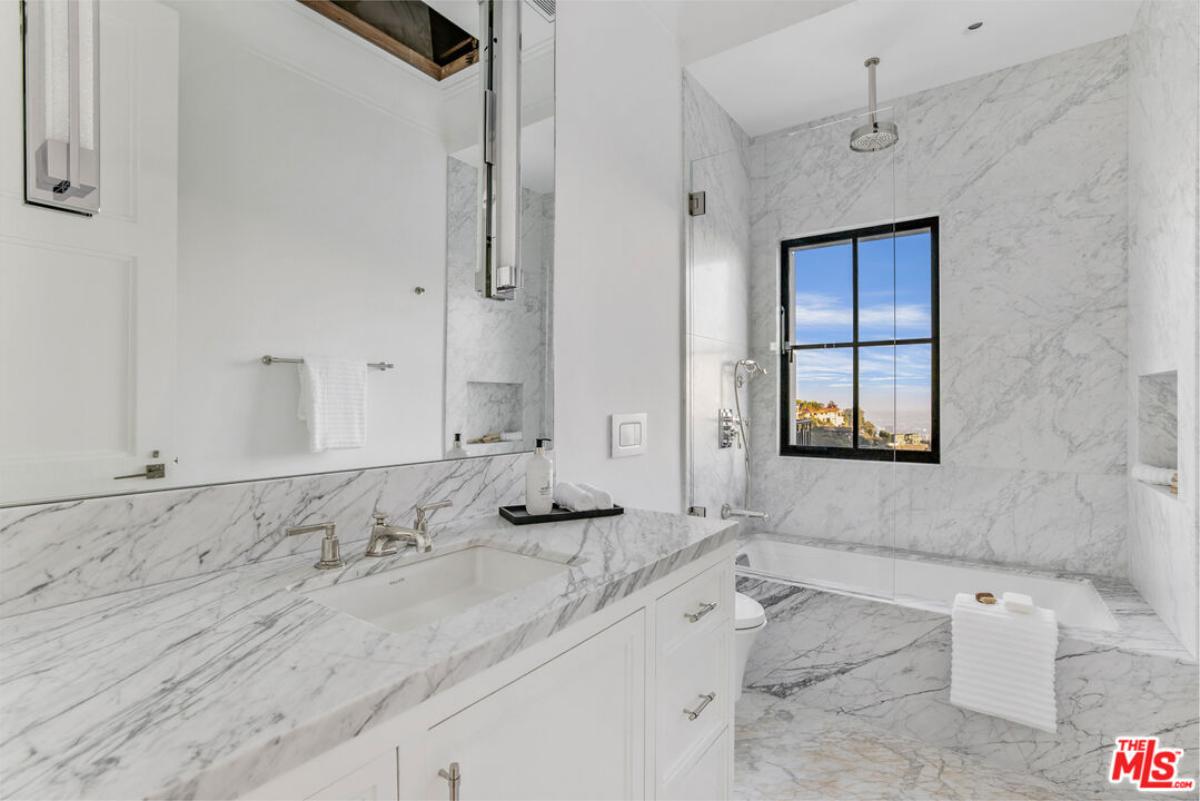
498	264
62	104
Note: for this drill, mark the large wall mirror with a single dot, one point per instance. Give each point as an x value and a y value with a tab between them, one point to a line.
284	179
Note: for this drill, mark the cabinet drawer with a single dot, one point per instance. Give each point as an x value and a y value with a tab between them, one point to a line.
694	677
695	605
709	776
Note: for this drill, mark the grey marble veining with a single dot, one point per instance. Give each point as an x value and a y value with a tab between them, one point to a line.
787	751
708	130
1164	195
1158	419
61	552
208	686
1026	169
492	342
887	666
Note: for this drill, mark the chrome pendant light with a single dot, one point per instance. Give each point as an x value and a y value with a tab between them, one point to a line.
875	135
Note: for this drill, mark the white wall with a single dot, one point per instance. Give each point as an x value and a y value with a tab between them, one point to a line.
618	250
1163	284
312	202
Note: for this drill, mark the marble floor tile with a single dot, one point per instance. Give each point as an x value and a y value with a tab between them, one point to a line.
787	752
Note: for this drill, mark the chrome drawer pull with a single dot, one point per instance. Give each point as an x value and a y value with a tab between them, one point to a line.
692	714
704	610
452	777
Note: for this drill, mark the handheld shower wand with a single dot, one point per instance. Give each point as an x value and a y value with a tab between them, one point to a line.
743	371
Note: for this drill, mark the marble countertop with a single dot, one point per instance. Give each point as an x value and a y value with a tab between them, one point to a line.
208	686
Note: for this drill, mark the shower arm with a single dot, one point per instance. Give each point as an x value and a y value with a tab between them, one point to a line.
870	65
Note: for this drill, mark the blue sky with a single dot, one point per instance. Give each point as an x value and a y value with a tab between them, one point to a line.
894	381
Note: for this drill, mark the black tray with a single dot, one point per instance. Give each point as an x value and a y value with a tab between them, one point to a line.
519	517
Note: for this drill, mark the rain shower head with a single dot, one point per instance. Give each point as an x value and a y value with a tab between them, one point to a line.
875	135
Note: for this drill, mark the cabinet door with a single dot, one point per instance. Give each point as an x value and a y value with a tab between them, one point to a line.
574	728
708	778
374	781
96	395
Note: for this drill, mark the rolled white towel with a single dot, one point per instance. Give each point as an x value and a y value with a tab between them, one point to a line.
1148	474
602	499
572	497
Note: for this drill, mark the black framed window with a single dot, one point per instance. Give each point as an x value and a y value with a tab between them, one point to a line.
859	365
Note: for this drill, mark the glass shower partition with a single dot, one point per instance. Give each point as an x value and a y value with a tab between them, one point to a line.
792	246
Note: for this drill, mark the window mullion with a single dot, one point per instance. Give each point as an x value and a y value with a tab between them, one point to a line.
854	304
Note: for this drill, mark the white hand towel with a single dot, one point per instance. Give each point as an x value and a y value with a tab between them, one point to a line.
569	496
333	401
602	499
1002	662
1149	474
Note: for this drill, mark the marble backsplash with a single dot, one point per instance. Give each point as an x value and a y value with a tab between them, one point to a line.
55	553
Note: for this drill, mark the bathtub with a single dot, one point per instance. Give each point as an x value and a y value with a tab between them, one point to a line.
912	579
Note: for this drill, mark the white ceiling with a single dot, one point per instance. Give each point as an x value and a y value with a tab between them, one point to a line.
814	68
704	27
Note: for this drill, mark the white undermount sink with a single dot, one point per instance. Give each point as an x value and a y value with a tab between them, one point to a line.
420	593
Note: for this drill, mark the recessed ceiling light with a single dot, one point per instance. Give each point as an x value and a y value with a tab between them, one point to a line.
974	26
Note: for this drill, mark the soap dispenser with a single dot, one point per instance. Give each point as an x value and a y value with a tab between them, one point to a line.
457	451
539	481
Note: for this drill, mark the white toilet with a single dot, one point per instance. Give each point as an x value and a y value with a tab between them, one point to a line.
748	620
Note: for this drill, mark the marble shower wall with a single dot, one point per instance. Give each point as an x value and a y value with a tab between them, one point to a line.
498	366
1026	170
56	553
1163	119
718	312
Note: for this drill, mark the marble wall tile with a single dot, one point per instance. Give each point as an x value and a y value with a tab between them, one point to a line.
889	666
497	342
61	552
1026	169
1036	401
1163	336
1157	432
720	250
707	129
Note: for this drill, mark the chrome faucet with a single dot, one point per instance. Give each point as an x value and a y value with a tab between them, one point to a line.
331	555
384	537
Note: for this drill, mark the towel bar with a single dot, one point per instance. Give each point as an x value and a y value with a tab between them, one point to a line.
282	360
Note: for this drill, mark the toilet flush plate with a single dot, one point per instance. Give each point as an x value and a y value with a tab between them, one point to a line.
628	434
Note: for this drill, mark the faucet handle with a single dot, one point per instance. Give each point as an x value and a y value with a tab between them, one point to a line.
423	509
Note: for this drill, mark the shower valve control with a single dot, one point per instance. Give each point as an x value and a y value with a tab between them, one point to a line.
727	431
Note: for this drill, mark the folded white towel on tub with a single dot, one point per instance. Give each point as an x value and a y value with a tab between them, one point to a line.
333	402
1002	661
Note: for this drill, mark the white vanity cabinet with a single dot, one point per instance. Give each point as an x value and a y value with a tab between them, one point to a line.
633	702
572	728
